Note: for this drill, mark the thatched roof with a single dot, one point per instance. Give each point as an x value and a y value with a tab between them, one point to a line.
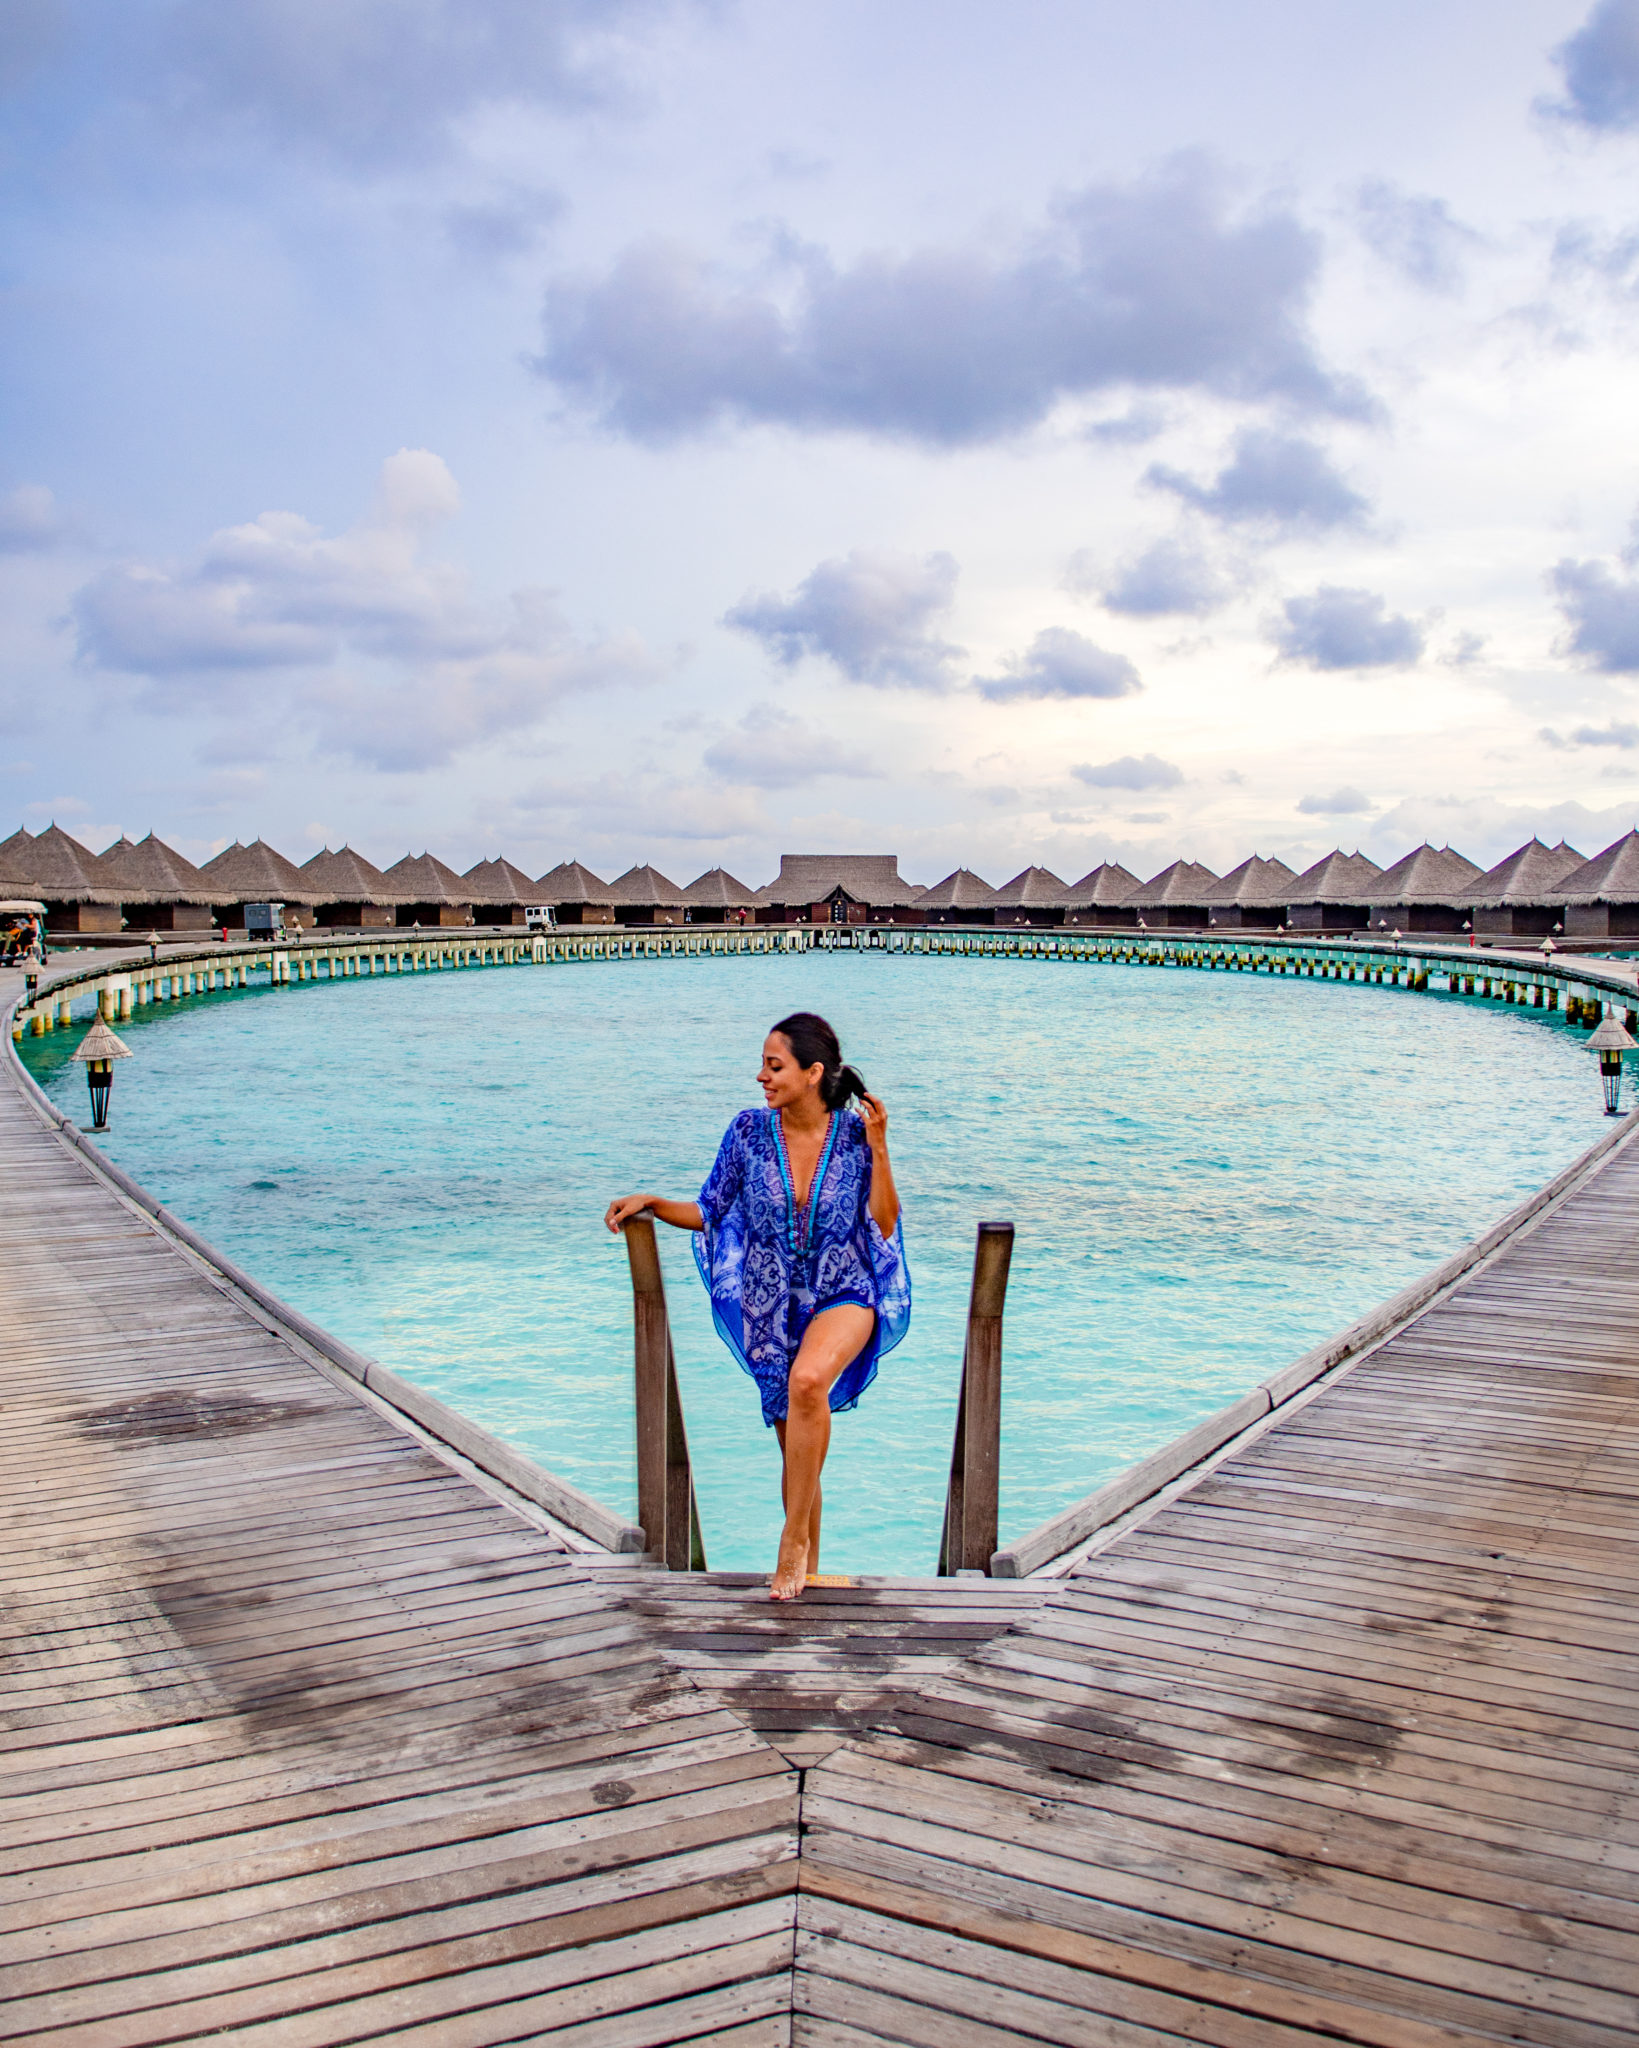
811	877
1184	881
347	877
1531	874
1610	877
1426	875
99	1043
960	890
256	874
156	869
643	885
718	889
1103	887
422	878
1033	888
1337	878
1255	881
569	882
51	866
498	881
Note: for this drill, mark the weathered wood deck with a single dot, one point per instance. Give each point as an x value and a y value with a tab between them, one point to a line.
307	1739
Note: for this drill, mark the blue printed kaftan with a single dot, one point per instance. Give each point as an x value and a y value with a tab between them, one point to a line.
770	1267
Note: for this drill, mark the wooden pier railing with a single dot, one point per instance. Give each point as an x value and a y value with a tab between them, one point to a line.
665	1477
971	1500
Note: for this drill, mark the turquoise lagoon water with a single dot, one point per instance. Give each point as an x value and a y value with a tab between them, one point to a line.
1209	1173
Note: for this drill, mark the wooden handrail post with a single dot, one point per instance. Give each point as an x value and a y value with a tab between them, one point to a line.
973	1496
665	1478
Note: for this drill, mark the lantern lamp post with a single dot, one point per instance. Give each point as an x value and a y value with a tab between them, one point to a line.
1610	1041
99	1048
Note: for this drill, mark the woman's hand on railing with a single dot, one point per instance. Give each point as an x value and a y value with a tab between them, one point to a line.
681	1215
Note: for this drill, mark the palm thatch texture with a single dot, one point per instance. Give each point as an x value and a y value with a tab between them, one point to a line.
257	873
355	893
576	894
1034	896
80	895
717	897
1102	896
961	898
1251	897
175	896
643	895
837	888
1331	896
1176	898
1427	890
99	1043
428	892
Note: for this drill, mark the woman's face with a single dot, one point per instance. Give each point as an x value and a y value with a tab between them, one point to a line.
783	1082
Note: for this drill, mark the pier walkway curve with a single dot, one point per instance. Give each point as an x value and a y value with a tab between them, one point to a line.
308	1735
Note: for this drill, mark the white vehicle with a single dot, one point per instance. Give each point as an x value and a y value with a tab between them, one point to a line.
541	917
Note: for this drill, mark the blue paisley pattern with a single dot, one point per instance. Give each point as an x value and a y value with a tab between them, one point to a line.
770	1268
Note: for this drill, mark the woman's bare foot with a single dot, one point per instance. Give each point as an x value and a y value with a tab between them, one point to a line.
791	1569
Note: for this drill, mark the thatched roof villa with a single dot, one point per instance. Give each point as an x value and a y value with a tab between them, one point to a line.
429	892
961	898
1601	897
1251	897
174	895
837	888
500	893
1035	896
1523	896
79	893
257	874
717	897
1176	898
643	895
355	892
1427	890
1331	896
576	895
1101	896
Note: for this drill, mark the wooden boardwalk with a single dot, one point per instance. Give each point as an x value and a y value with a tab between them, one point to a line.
305	1738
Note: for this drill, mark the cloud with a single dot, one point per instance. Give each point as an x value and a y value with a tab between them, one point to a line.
1416	233
509	224
1617	734
773	749
1173	576
1600	66
378	83
1602	612
1334	628
1273	479
386	655
869	613
1130	772
1155	284
29	520
1060	663
1337	803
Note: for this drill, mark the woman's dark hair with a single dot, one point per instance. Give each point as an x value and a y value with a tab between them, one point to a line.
814	1043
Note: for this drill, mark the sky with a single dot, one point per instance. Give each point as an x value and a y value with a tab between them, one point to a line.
689	431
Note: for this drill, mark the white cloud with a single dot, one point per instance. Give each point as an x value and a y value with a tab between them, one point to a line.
774	749
869	614
1061	663
385	653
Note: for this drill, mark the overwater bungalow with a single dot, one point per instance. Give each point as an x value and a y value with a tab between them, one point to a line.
356	895
429	893
257	874
643	895
1522	896
576	895
717	897
1101	897
1331	896
1602	895
500	893
1177	899
164	891
837	888
1251	897
961	898
50	868
1427	890
1035	896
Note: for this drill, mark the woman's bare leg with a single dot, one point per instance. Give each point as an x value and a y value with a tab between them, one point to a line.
814	1512
831	1343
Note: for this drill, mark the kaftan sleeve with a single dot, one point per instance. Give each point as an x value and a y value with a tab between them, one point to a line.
722	1188
889	1271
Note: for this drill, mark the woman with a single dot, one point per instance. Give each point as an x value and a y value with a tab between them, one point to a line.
801	1252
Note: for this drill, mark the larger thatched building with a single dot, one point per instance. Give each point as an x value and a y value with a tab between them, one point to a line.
837	888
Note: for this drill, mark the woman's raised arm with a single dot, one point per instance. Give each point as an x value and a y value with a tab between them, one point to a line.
681	1215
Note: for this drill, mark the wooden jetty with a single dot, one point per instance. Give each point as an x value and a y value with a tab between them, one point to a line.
311	1734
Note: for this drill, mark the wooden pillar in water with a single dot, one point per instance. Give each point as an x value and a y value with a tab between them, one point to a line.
972	1498
665	1478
